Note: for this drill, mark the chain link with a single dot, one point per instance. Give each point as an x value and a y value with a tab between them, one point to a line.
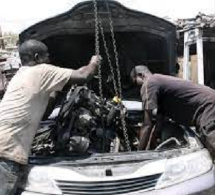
97	51
124	128
115	50
108	57
122	114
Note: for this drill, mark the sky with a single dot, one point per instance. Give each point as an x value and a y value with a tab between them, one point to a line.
17	15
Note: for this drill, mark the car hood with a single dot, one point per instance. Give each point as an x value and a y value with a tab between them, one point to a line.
140	38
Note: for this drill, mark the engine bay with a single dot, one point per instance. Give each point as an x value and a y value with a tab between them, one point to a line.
85	125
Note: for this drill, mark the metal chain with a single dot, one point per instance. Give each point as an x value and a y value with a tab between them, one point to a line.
122	114
124	128
115	50
97	50
108	57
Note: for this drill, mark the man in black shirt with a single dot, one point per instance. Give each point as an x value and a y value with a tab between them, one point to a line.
183	101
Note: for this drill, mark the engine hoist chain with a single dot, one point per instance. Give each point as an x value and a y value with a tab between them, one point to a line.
115	50
108	57
97	49
122	113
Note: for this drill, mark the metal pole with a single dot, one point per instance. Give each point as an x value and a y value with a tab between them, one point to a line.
200	60
186	56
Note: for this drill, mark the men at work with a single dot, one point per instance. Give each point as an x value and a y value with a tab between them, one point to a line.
24	104
183	101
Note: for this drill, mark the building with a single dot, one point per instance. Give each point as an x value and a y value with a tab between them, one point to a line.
196	48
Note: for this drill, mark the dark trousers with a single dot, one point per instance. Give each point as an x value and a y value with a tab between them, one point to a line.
208	137
9	174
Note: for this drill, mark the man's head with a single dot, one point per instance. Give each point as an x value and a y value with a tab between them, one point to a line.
139	73
33	52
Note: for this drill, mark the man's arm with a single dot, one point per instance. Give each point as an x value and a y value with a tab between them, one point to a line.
159	123
85	73
145	129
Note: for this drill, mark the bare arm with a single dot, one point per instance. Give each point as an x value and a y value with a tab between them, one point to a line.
85	73
145	129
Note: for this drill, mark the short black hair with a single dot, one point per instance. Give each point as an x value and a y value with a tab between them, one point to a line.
29	48
139	69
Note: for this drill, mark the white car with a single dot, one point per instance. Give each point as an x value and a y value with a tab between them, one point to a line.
168	169
98	162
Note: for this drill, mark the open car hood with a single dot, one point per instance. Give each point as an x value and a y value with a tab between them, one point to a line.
140	38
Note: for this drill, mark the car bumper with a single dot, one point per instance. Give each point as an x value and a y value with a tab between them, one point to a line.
202	185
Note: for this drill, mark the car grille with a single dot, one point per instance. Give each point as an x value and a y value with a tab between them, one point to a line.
108	187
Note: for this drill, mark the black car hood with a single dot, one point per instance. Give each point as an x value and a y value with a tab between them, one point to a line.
140	38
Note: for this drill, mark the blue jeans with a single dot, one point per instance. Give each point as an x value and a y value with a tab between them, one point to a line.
9	173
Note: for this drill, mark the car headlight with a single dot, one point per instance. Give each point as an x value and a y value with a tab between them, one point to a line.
184	168
39	181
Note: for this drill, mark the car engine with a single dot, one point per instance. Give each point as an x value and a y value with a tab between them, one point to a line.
83	124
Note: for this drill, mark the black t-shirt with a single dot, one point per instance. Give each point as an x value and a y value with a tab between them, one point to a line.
183	101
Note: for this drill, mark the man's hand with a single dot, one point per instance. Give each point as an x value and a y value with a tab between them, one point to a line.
96	59
85	73
94	63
